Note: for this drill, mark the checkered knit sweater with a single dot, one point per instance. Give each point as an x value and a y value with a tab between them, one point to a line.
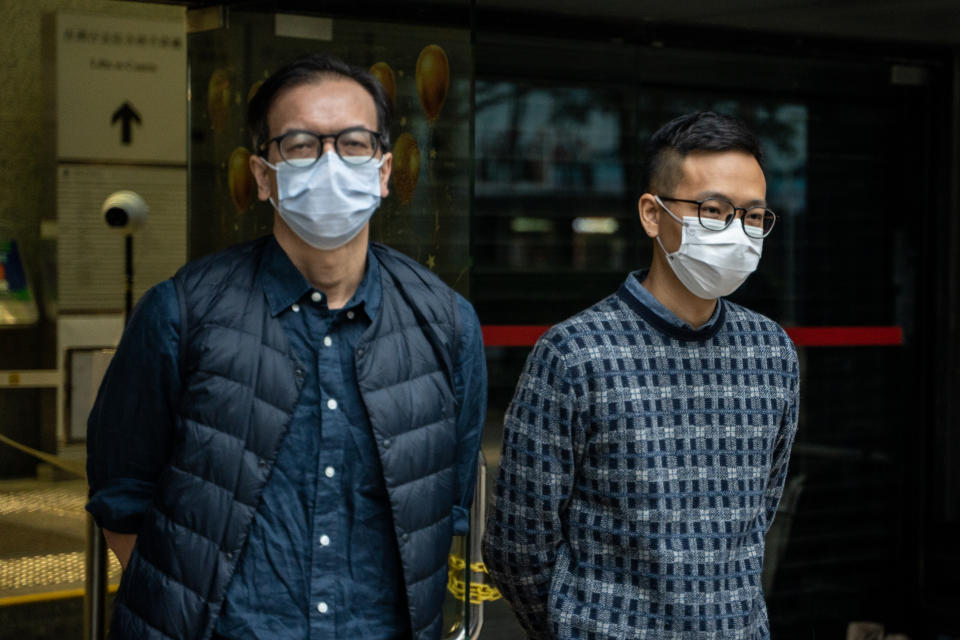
642	465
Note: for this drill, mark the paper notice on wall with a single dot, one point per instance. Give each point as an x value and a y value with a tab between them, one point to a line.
121	89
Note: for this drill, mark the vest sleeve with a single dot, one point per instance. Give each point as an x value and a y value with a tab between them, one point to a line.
130	429
470	387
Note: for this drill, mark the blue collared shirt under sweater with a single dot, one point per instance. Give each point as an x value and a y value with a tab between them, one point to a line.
643	461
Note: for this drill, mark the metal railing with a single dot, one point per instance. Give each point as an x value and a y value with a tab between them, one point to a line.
95	584
471	620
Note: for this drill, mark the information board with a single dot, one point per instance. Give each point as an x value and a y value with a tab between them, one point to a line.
121	89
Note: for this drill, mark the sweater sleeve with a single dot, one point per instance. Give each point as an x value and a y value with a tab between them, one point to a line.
534	482
782	446
130	429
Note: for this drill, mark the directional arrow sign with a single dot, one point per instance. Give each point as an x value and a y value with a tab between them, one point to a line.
126	114
121	89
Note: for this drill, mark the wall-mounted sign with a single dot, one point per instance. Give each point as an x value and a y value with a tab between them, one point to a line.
121	89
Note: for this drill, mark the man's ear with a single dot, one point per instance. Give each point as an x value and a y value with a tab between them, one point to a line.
385	170
263	175
649	212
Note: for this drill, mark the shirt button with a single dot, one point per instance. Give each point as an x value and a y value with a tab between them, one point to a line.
331	404
327	341
386	443
329	471
295	307
350	315
316	296
322	607
324	541
262	462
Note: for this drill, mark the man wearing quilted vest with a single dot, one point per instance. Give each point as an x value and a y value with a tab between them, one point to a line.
646	446
286	439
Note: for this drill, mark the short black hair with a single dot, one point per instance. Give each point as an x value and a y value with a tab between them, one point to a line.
698	131
311	68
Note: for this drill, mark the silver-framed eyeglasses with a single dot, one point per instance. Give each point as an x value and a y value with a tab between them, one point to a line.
355	146
717	214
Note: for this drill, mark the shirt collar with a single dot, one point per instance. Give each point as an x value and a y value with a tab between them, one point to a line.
283	284
368	293
634	285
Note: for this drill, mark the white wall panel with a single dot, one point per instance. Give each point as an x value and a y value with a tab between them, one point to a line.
90	256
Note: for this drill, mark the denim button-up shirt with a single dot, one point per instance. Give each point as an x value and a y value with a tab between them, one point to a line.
321	559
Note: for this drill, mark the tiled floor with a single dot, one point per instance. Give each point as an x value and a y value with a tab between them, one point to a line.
43	538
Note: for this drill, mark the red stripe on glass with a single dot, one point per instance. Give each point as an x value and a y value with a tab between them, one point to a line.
845	336
512	335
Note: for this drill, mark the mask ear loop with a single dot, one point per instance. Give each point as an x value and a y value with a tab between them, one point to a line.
665	252
275	168
660	202
268	163
678	220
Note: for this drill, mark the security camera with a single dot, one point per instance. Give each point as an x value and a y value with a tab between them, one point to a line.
124	211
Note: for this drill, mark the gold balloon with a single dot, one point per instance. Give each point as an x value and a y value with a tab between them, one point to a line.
406	167
382	72
433	79
240	179
218	99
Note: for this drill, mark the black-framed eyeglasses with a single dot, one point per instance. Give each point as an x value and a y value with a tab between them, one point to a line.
716	214
355	146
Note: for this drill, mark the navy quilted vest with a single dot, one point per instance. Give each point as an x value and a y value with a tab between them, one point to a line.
241	384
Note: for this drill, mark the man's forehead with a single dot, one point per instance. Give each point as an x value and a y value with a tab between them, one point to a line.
724	156
720	164
733	175
328	84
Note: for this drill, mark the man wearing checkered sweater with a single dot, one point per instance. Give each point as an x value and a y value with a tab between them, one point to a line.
646	446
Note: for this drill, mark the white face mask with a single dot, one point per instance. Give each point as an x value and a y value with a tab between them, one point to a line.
712	263
327	203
